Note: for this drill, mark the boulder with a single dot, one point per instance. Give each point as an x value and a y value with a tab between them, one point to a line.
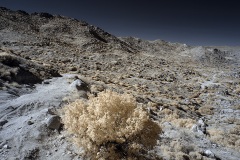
209	154
54	122
79	85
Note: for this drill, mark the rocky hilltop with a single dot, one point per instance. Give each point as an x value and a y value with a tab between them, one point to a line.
47	61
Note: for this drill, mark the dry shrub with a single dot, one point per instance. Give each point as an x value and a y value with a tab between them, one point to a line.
179	122
184	122
172	117
195	155
178	146
229	138
232	120
181	156
168	152
111	126
206	110
237	90
237	107
237	143
235	130
178	151
166	111
215	135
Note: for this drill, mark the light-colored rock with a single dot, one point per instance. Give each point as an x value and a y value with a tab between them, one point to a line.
194	128
201	126
3	144
6	146
209	154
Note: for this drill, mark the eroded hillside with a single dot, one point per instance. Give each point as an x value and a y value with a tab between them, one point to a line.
191	92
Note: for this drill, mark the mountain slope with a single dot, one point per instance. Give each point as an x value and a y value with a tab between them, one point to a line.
191	92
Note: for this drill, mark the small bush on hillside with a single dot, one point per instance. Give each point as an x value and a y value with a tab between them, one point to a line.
111	126
206	110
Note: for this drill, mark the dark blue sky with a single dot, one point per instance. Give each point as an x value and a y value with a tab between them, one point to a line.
195	22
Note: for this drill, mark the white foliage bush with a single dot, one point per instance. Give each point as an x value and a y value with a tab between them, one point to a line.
110	126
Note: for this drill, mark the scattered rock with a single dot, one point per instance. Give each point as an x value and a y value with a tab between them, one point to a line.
51	111
6	146
3	144
73	69
79	85
46	82
209	154
200	127
54	122
30	123
3	122
194	128
31	154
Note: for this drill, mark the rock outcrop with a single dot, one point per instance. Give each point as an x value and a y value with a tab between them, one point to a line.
16	69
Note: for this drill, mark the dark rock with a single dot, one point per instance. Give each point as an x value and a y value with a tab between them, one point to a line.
73	69
80	85
46	82
3	122
51	111
97	36
31	154
30	123
54	122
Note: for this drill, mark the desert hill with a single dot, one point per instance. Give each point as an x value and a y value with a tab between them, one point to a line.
47	61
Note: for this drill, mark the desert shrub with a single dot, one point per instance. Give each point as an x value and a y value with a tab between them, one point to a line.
237	107
206	110
175	119
179	151
195	155
237	90
229	138
110	126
